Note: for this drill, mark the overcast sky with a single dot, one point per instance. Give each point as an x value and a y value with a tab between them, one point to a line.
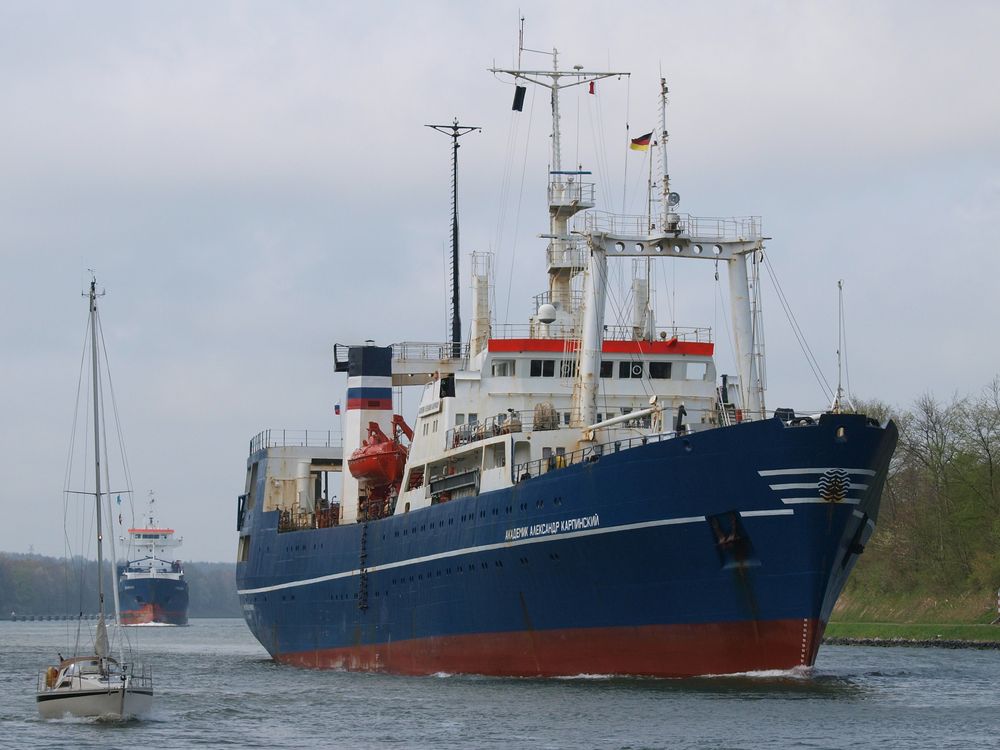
253	182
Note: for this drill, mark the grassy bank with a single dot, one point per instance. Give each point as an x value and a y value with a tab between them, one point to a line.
914	631
914	616
857	605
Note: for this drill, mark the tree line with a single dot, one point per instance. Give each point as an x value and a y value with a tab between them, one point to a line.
938	532
39	585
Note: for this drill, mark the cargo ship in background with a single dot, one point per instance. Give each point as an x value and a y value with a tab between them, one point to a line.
577	494
152	588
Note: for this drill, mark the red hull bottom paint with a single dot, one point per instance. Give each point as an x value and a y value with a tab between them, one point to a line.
653	650
148	613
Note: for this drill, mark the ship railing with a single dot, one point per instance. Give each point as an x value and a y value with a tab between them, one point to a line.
570	192
418	352
720	418
282	438
141	675
567	253
705	227
294	519
509	423
571	300
514	422
727	415
591	453
427	350
611	333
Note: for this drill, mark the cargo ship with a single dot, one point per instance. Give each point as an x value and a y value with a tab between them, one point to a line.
574	495
152	590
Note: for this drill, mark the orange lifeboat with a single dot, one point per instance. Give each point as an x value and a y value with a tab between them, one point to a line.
378	463
380	460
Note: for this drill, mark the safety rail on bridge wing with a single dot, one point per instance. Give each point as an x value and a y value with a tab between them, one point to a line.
295	439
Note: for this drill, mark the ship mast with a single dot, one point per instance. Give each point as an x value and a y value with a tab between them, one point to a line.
567	194
455	131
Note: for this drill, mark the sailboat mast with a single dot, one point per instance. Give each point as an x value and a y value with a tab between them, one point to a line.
97	444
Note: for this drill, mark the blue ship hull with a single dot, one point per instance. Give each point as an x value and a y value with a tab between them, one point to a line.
153	600
720	551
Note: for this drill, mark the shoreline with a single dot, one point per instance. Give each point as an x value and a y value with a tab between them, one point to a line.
953	643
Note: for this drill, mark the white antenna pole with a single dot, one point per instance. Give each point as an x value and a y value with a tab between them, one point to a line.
556	125
520	42
649	195
665	185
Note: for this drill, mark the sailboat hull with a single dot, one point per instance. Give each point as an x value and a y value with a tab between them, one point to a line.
120	703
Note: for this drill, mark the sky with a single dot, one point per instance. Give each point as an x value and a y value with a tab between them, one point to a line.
252	182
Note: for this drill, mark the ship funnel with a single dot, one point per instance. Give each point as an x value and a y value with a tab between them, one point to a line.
369	401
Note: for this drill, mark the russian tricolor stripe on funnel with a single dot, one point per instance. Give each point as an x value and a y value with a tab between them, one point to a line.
369	397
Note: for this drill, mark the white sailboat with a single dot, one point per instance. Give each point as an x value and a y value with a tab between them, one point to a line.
95	684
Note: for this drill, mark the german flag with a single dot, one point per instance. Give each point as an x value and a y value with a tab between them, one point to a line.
642	142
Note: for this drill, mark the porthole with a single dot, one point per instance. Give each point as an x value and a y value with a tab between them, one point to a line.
697	249
717	249
639	247
619	247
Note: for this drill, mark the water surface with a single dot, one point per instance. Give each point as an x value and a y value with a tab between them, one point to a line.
216	688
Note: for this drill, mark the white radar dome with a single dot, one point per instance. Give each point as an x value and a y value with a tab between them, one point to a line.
546	313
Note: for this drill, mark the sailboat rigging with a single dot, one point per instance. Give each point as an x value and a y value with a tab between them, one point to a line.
96	684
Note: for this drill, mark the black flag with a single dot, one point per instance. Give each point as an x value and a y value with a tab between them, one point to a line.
519	98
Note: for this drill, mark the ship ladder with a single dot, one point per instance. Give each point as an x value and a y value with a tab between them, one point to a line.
363	577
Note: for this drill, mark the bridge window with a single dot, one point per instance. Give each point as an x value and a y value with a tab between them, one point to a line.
567	368
659	370
543	368
630	369
503	368
607	369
